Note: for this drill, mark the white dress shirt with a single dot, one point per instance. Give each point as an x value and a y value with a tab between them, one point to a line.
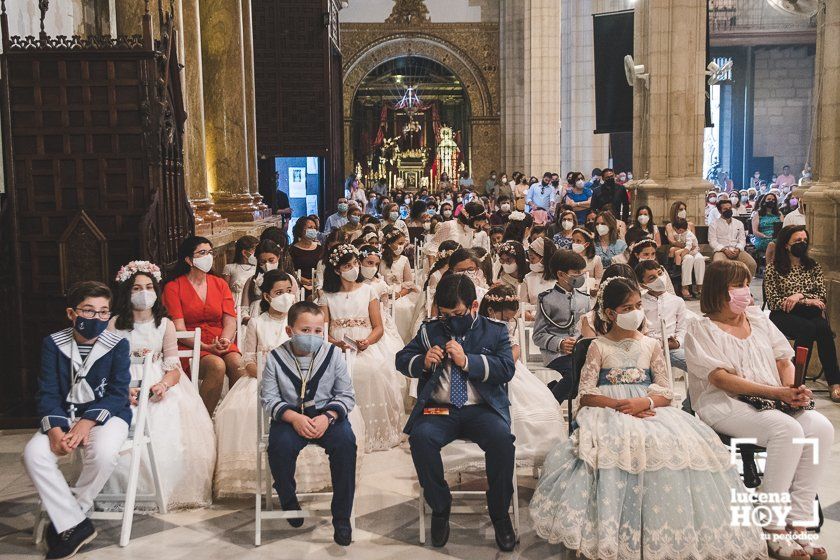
795	218
725	233
668	307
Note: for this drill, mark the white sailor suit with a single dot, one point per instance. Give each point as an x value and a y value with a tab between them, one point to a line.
71	389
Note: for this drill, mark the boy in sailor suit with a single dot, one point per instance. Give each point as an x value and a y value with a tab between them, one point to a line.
307	392
83	402
558	312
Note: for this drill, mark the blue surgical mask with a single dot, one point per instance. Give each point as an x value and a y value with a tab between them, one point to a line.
89	328
354	220
312	234
342	207
460	324
307	343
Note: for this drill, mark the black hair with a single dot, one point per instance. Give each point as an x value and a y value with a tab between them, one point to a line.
633	260
332	278
721	201
781	260
496	229
80	291
389	235
185	251
613	295
269	279
448	245
549	250
517	251
275	234
622	270
485	263
507	300
565	260
643	267
680	223
589	252
454	289
516	228
764	209
244	243
122	303
650	225
418	207
299	308
471	212
335	237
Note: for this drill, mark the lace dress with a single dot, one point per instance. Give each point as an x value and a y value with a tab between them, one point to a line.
181	429
236	424
377	383
237	275
537	422
625	488
399	276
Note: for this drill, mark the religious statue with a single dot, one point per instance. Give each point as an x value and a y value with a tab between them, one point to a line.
406	12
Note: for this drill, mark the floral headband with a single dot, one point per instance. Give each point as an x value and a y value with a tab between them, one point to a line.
508	248
341	250
444	255
584	232
135	267
599	301
641	243
393	235
516	216
365	253
498	299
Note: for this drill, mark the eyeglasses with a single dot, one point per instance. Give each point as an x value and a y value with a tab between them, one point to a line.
203	252
91	313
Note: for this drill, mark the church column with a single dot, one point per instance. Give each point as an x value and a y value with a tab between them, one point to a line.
129	16
543	77
250	104
669	115
822	200
195	171
224	110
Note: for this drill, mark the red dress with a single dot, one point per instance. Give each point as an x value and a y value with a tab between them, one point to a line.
182	302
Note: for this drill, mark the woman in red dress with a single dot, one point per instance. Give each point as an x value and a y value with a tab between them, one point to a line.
197	298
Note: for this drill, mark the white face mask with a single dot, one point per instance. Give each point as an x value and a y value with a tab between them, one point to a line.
351	275
282	303
143	300
631	320
644	219
447	213
658	285
578	247
252	260
579	183
567	225
398	250
368	272
602	229
537	267
505	207
204	264
682	214
427	226
510	268
269	266
394	216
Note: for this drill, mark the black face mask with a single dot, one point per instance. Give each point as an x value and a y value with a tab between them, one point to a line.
555	183
610	181
726	214
799	249
771	204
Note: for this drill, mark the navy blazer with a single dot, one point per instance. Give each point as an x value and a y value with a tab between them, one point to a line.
109	376
487	346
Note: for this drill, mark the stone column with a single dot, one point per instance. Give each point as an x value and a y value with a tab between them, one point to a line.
822	199
515	112
668	116
543	77
130	16
250	103
195	170
224	109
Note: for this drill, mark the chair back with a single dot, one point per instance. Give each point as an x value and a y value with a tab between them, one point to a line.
262	417
145	383
578	360
667	353
194	353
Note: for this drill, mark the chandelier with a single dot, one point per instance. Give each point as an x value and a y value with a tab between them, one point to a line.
410	102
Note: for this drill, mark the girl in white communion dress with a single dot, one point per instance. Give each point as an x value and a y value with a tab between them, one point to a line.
181	429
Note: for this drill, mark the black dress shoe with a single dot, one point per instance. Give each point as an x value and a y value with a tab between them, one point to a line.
440	529
294	521
505	536
70	541
751	477
51	535
342	532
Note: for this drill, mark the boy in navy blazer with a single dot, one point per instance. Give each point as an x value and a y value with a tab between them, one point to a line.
463	362
83	402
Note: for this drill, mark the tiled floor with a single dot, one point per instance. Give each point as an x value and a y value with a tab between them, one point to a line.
386	507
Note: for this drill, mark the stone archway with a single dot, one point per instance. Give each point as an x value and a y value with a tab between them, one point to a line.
466	52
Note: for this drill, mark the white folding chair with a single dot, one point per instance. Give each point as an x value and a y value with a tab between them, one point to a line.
264	489
139	437
194	353
475	508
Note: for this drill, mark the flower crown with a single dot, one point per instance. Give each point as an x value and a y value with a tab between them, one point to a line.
341	250
393	235
599	301
498	299
365	253
584	232
134	267
516	216
508	248
444	255
642	242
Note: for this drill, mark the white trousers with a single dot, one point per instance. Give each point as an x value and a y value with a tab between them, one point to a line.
791	467
67	506
697	265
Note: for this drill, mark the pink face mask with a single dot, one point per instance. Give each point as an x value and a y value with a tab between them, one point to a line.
739	299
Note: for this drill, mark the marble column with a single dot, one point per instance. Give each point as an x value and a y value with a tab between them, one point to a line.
224	110
822	200
195	170
669	115
250	104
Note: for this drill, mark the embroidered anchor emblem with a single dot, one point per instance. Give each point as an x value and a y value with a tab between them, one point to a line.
100	389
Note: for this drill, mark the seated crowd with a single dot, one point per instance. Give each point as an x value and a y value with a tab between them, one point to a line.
403	319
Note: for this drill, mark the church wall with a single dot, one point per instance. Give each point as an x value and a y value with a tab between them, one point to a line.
440	11
783	84
64	17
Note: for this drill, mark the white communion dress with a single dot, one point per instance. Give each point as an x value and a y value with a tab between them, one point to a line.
377	383
180	428
236	423
399	276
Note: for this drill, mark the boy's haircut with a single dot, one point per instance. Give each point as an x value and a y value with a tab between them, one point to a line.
454	289
643	267
723	200
301	307
565	260
80	291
